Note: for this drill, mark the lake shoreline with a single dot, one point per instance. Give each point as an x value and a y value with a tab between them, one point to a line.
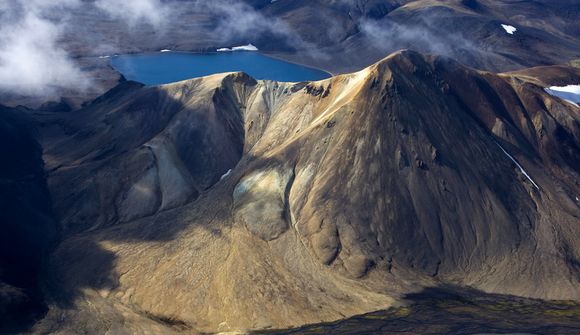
166	66
272	55
279	57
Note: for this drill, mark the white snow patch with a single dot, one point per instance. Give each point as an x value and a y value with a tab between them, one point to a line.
570	93
104	57
226	174
164	50
518	165
249	47
509	29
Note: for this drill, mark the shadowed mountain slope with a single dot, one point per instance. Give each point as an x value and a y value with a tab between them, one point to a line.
26	221
343	196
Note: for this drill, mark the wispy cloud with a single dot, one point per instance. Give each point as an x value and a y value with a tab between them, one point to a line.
31	60
137	12
239	22
388	36
34	62
33	56
236	18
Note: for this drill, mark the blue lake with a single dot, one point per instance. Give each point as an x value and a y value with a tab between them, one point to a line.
168	67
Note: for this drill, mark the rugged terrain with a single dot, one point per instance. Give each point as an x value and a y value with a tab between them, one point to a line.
344	196
348	35
338	36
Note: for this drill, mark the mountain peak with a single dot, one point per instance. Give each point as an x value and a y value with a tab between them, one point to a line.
413	168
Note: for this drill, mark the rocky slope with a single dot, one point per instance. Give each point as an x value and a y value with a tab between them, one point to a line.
343	196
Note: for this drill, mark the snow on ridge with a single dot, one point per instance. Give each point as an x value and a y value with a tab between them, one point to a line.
226	174
518	165
570	93
248	47
164	50
509	29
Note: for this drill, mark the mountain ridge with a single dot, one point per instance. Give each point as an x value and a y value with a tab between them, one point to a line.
344	195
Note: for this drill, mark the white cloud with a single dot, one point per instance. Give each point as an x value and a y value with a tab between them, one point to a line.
237	21
390	36
35	62
136	12
31	61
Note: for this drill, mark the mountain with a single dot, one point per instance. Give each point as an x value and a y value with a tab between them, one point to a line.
225	203
347	35
354	34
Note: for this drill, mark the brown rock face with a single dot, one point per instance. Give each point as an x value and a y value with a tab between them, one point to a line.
414	172
261	204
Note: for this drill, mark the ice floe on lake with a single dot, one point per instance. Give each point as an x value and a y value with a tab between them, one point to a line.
249	47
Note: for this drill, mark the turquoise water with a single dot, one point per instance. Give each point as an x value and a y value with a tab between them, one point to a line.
168	67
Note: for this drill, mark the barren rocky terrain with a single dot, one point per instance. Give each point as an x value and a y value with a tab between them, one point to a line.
432	190
344	196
